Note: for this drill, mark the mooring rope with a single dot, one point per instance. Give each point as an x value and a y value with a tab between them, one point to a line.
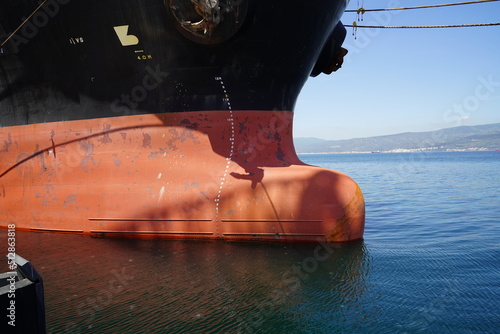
354	25
24	22
417	7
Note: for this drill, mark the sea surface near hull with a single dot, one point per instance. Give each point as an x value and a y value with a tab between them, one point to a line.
209	175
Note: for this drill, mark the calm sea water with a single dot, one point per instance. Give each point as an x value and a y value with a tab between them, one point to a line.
429	263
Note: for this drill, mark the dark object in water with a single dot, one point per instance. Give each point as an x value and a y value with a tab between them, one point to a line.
22	299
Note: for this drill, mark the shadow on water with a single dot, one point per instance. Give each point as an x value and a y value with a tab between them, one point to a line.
159	286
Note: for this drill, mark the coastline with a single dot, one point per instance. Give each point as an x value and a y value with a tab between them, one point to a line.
403	150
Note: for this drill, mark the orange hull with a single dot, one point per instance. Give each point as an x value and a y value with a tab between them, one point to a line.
204	175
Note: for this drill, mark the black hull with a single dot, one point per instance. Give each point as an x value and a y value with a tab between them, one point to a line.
67	61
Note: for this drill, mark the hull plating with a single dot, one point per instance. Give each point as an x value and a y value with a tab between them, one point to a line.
208	175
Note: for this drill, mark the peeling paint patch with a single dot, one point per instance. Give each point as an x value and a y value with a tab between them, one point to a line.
7	143
193	184
49	197
242	126
88	148
146	141
116	161
159	176
280	155
71	199
187	123
105	138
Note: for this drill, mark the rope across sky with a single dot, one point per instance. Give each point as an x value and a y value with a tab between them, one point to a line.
362	10
435	26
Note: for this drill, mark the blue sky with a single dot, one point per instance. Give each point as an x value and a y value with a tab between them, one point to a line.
400	80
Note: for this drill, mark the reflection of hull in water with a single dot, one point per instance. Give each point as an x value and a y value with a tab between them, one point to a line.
228	286
136	125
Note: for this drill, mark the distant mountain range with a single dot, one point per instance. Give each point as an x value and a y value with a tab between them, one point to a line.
461	138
